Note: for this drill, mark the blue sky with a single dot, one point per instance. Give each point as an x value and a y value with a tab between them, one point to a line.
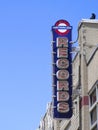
25	56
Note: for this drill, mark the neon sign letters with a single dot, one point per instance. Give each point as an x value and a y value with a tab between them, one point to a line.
62	70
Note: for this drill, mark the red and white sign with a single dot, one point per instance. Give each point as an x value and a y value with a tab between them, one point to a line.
62	42
62	27
62	96
62	74
62	85
62	53
63	107
62	63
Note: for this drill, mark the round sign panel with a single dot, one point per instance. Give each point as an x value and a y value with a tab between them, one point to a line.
62	74
62	63
62	27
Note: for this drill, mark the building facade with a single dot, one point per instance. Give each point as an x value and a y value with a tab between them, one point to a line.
85	83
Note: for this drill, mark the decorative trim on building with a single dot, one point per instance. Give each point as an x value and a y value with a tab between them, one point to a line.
84	101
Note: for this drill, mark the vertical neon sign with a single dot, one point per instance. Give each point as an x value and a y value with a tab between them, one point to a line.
62	70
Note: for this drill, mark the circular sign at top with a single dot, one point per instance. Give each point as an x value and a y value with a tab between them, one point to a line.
62	27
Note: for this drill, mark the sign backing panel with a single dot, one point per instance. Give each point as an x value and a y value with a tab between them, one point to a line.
62	70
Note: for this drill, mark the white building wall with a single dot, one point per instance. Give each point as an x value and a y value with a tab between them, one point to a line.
93	71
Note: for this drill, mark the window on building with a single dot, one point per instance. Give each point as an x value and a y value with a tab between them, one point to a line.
93	108
93	97
93	115
95	128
